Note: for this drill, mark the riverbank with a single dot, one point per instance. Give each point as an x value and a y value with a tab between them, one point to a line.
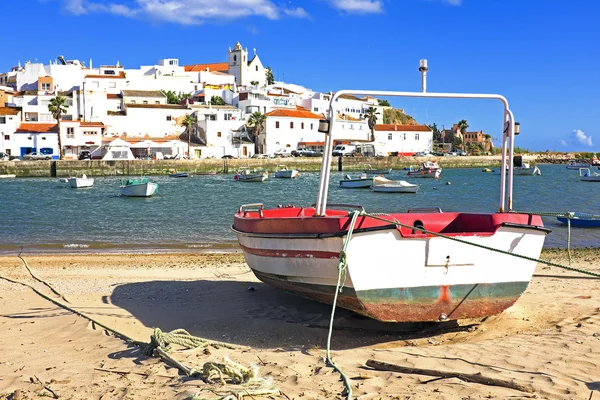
542	343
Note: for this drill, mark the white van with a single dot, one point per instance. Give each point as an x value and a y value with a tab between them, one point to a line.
344	150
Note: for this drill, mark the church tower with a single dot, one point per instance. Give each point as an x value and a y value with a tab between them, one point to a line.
238	64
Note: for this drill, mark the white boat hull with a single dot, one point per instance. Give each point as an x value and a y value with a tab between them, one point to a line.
389	186
404	267
356	183
77	183
288	173
139	190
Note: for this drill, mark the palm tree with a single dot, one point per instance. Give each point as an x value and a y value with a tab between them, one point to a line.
371	117
256	121
190	125
57	107
462	125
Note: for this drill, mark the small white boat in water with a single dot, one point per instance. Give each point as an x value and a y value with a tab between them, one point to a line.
577	164
427	169
284	172
586	175
246	174
361	181
382	184
138	188
376	171
82	182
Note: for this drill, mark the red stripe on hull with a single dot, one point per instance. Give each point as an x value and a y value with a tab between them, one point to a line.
291	253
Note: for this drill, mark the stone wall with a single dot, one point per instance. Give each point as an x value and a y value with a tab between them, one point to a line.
68	168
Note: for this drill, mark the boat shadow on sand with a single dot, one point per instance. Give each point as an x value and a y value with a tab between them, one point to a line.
257	315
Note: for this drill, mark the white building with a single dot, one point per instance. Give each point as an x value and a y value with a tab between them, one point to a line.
38	137
10	119
243	69
405	140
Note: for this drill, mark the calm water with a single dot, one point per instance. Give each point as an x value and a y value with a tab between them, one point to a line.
42	214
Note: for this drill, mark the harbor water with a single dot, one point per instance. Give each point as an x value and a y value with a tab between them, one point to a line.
196	213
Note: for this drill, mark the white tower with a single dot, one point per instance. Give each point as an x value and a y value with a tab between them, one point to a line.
238	63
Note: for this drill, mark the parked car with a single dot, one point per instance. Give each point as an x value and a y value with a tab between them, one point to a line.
306	153
285	152
4	156
85	155
462	153
228	156
36	156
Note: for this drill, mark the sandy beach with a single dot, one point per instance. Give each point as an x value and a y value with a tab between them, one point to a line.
548	342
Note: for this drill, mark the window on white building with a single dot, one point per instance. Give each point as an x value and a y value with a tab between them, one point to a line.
46	86
90	132
228	116
390	137
404	136
67	118
46	117
132	101
168	117
112	84
316	109
257	68
416	136
157	102
277	124
70	132
145	102
212	117
2	120
6	137
302	125
291	125
218	134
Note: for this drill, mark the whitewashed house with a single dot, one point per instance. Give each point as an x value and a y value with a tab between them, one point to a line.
80	135
405	140
141	120
10	119
38	137
284	129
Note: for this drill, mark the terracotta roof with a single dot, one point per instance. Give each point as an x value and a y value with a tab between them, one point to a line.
346	117
34	127
113	96
299	108
222	66
402	128
143	93
120	76
26	93
9	110
293	114
88	123
167	106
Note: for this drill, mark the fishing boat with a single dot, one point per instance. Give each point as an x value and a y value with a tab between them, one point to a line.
369	170
581	220
396	265
427	169
179	175
586	175
246	174
141	187
577	164
360	181
80	182
525	169
282	171
382	184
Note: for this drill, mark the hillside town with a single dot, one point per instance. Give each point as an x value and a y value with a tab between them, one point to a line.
69	110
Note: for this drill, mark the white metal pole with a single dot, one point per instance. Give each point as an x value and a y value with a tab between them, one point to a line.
511	152
326	165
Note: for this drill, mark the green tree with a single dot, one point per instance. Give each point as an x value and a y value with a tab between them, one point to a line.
371	117
269	76
437	134
57	107
383	102
217	101
190	124
256	122
175	98
254	83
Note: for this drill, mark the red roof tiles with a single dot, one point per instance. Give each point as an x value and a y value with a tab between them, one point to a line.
36	127
293	114
221	67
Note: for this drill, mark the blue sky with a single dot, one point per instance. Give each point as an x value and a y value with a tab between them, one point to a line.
541	54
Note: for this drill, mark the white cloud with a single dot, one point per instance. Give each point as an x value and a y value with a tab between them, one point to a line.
563	143
578	137
358	6
186	12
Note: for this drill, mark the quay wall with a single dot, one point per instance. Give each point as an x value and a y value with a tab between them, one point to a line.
66	168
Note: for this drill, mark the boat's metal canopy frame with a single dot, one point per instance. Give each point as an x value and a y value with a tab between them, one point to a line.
506	179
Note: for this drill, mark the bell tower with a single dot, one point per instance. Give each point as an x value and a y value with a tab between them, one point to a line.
238	63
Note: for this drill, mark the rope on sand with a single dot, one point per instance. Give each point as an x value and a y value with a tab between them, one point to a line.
160	343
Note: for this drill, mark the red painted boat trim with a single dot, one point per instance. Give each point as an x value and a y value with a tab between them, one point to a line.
291	253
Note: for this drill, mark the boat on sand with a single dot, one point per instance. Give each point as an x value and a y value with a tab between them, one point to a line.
395	265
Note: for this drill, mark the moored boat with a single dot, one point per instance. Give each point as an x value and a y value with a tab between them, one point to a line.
141	187
586	175
284	172
430	266
581	220
179	175
361	181
577	164
427	169
246	174
80	182
382	184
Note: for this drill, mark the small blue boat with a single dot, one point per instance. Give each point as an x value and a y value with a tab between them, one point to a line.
179	175
582	220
